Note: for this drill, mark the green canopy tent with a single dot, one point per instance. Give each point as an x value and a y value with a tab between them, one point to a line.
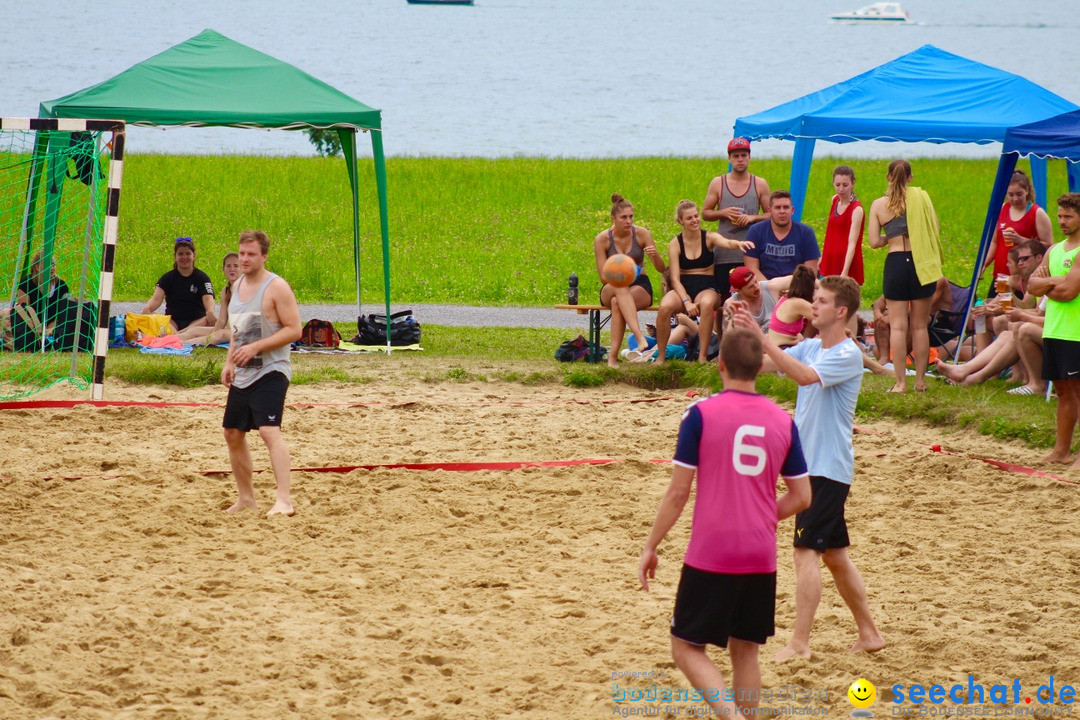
211	80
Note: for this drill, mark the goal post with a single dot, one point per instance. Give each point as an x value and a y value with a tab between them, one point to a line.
60	184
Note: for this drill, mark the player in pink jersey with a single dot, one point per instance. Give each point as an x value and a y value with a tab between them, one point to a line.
736	443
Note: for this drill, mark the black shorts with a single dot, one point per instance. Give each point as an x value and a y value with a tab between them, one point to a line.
697	284
642	281
711	607
258	405
721	271
1061	359
901	282
822	526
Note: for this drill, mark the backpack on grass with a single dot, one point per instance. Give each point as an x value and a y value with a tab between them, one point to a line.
320	333
576	349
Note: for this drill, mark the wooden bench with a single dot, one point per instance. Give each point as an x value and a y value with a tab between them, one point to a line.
595	323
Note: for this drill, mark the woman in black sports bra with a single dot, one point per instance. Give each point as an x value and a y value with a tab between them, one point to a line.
908	301
628	239
693	281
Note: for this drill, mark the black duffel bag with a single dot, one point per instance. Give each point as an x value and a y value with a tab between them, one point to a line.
371	329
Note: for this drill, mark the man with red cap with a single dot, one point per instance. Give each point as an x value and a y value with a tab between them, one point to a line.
759	297
736	200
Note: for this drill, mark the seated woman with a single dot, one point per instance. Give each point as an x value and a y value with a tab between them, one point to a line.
793	313
693	279
626	238
221	332
37	304
187	291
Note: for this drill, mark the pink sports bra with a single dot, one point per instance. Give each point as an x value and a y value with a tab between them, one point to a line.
785	328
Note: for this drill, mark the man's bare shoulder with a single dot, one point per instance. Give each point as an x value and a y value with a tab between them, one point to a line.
279	288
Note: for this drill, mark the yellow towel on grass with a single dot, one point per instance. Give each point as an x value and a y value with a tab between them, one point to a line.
923	233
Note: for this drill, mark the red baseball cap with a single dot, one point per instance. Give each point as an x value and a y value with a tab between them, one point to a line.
740	277
739	143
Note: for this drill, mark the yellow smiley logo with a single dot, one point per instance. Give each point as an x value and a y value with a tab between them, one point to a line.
862	693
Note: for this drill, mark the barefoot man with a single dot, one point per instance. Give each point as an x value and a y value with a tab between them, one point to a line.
1058	278
829	371
265	321
736	442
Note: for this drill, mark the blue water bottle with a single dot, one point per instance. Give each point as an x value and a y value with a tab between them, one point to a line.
116	330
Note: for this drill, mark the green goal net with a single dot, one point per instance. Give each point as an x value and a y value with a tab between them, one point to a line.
59	201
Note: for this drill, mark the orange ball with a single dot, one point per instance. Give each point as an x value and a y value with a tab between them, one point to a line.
620	271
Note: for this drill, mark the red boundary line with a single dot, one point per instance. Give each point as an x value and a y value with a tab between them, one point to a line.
1009	467
451	466
52	404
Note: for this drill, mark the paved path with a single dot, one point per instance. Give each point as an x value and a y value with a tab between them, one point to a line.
455	315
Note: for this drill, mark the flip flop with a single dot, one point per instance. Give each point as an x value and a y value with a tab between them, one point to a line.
1022	390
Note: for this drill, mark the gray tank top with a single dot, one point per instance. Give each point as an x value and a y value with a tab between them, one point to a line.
896	226
768	302
249	325
748	203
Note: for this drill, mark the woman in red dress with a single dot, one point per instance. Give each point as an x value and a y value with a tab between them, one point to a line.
1020	220
842	254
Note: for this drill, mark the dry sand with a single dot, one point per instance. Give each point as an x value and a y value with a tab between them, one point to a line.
127	593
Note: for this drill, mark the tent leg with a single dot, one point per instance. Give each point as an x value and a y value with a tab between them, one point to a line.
1038	178
800	173
384	221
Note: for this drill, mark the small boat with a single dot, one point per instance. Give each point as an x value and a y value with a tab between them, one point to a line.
887	13
440	2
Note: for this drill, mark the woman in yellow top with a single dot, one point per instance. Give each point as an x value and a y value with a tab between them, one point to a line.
904	221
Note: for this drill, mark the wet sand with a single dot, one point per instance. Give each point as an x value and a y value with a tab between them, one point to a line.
481	594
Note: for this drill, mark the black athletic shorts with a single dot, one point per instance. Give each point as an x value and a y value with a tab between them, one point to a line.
1061	359
721	271
642	281
697	284
259	404
901	282
822	526
711	607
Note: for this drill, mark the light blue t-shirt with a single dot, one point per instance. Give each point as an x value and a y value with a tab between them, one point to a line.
825	411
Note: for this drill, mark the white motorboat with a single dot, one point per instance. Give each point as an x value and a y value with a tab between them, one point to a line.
887	13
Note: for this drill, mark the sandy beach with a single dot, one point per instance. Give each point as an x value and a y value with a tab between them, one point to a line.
479	594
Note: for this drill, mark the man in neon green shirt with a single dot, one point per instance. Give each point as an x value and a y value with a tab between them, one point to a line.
1058	278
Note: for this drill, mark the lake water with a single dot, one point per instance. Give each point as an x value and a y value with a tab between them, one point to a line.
579	78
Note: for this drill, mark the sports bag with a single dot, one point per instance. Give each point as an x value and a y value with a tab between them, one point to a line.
68	315
576	349
371	329
320	333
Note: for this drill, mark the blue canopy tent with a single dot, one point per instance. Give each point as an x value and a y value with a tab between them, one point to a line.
928	95
1056	137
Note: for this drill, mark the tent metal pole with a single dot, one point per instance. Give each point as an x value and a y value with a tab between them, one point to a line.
997	196
1038	178
1073	170
384	221
348	149
800	174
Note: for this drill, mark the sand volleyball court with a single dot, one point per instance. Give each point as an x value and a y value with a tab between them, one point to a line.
127	593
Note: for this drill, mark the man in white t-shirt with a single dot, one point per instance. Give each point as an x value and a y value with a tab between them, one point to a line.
828	369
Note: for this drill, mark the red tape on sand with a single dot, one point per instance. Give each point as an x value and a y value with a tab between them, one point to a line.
451	466
1009	467
39	404
54	404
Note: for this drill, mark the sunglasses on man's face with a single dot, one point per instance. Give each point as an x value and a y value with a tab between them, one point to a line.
1024	259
